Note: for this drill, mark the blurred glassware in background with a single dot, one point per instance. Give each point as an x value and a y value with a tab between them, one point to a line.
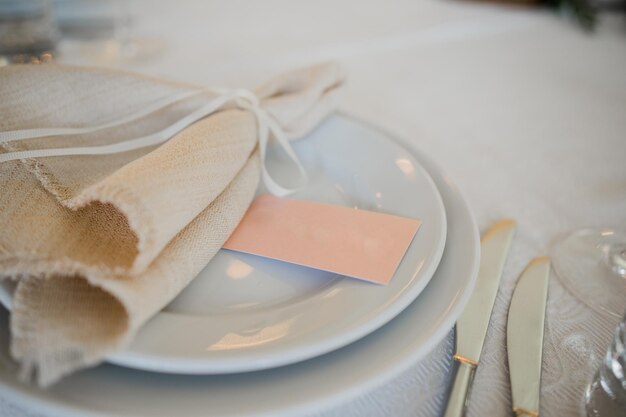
101	32
92	19
28	31
606	395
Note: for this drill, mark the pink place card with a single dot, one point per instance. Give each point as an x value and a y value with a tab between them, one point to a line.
353	242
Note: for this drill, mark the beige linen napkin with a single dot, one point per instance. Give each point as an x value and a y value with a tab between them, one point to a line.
99	244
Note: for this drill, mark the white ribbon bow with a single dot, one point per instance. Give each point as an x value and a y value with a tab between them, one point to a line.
244	99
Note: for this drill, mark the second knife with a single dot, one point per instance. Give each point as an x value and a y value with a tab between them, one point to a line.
524	336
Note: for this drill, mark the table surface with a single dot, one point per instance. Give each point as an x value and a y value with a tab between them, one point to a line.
526	112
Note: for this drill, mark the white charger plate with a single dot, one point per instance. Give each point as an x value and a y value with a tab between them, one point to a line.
298	389
244	312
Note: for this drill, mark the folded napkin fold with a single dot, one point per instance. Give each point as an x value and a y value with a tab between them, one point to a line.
98	244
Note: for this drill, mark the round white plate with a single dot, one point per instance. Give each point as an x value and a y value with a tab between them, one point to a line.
298	389
244	312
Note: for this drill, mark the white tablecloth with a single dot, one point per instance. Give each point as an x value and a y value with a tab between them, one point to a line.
526	113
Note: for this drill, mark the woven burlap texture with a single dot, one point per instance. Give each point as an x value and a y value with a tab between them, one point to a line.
99	244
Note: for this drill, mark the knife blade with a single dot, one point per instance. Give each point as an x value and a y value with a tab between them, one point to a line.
471	327
524	336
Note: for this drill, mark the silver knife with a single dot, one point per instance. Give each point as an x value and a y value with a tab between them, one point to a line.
524	336
471	327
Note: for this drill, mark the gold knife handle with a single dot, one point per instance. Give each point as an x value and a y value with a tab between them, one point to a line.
459	396
520	412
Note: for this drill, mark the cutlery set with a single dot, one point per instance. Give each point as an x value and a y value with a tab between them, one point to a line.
525	325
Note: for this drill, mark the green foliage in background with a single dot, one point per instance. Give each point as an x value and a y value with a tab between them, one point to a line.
582	10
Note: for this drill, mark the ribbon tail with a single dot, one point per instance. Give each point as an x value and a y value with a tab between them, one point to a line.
269	127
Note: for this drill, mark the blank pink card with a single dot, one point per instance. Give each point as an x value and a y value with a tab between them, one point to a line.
353	242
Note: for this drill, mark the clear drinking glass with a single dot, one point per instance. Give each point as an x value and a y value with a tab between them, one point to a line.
28	32
606	395
591	264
